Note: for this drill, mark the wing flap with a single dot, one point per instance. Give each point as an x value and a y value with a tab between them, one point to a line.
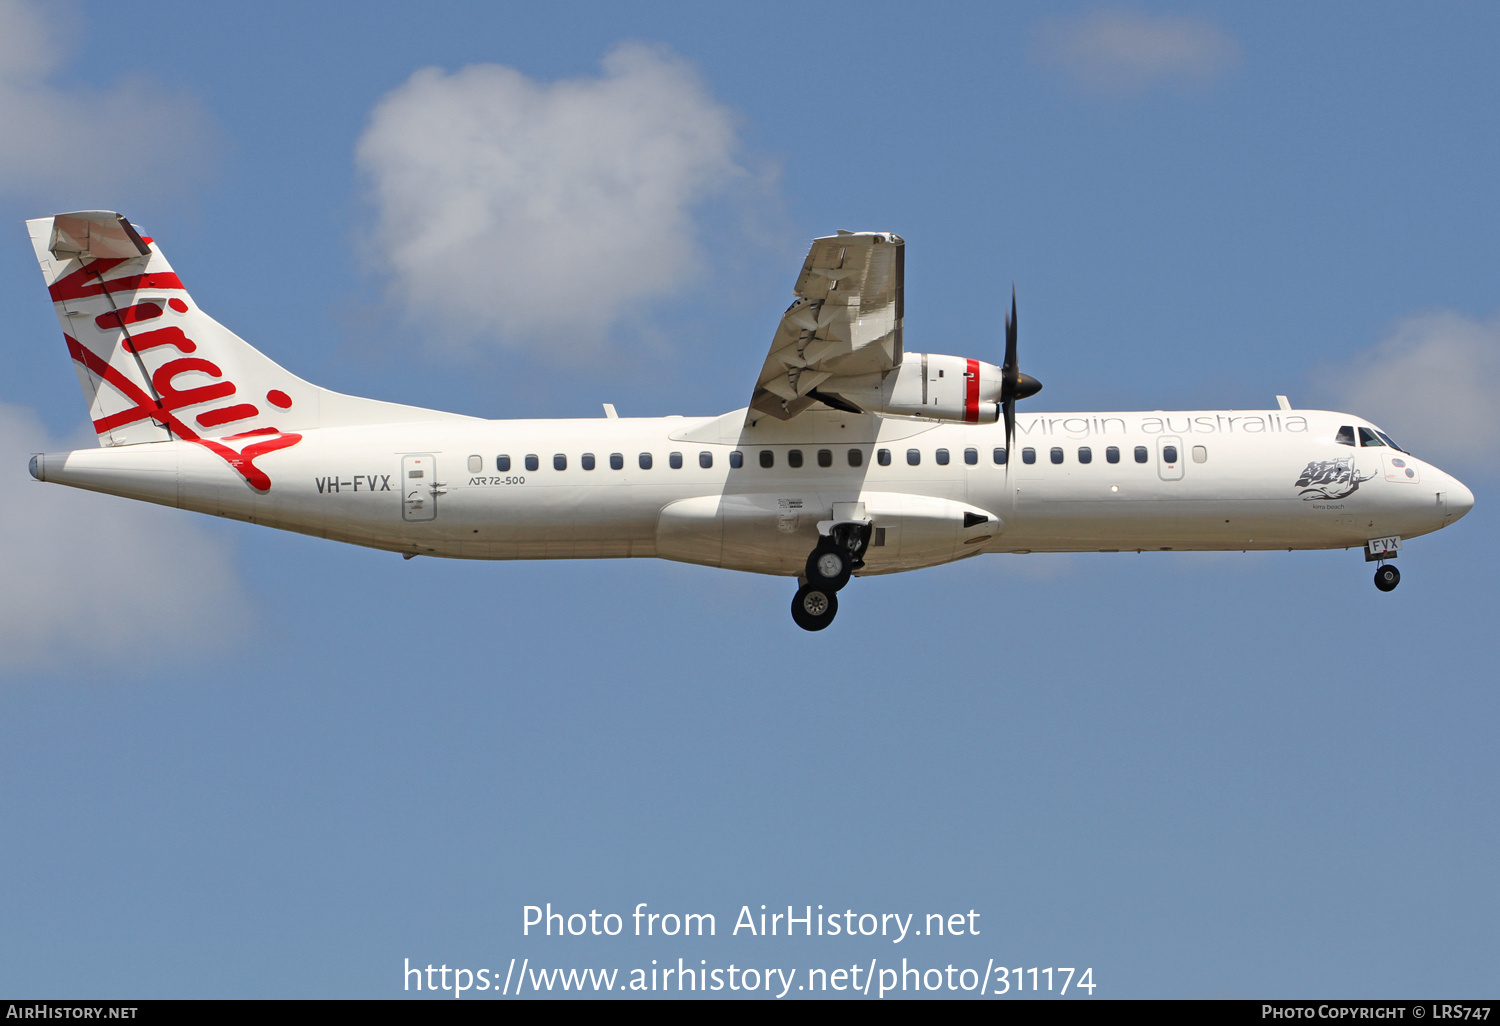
847	319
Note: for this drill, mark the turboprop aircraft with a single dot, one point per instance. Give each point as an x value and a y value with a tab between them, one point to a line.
853	457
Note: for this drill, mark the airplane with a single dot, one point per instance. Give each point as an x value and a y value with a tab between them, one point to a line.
852	458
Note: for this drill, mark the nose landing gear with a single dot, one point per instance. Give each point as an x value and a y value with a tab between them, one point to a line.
1387	577
828	569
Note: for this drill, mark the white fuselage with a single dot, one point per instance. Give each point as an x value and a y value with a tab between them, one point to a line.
1239	480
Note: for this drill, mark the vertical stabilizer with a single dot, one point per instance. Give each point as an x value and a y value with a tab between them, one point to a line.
155	368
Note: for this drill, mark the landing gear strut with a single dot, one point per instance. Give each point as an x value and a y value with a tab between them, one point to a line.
828	569
1387	577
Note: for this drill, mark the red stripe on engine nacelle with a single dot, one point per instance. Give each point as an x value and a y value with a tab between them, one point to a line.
971	393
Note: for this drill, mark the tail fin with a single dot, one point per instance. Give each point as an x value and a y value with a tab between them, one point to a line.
155	367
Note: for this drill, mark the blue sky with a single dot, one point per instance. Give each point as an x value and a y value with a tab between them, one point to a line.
240	763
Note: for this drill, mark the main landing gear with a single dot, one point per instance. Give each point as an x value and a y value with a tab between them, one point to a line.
828	569
1387	577
814	607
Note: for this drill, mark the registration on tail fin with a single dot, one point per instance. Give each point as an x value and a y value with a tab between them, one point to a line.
156	368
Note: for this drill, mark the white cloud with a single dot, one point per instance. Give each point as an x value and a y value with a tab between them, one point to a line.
1433	383
512	211
1121	50
97	579
86	147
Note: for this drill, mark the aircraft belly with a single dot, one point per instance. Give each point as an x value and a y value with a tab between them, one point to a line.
1243	522
915	531
768	533
555	522
773	532
535	521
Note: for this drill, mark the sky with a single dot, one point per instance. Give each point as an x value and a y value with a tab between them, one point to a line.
240	763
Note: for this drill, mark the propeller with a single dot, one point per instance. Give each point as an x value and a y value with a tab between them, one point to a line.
1013	384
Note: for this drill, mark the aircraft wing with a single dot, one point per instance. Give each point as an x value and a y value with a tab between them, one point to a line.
845	321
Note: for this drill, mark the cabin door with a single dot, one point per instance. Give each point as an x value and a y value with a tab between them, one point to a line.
419	488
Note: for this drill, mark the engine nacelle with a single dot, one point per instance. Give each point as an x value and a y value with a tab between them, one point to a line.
925	385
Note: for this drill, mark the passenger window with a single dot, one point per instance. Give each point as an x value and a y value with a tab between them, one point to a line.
476	464
675	460
1028	455
1112	454
587	459
883	457
616	461
971	457
767	458
502	464
825	457
532	462
1169	453
736	460
706	460
645	461
1200	454
1000	457
1141	455
559	462
856	458
1085	454
1368	438
1056	454
1345	435
942	457
913	457
794	458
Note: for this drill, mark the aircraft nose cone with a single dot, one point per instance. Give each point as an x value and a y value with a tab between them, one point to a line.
1460	499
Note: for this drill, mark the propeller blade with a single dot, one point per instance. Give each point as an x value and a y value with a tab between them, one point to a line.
1009	378
1009	366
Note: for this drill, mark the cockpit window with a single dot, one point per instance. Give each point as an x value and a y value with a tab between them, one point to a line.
1368	438
1389	441
1345	435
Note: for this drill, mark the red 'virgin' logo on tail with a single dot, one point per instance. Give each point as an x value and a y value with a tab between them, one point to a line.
163	410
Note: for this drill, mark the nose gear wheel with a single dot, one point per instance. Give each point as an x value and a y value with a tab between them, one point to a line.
1387	577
